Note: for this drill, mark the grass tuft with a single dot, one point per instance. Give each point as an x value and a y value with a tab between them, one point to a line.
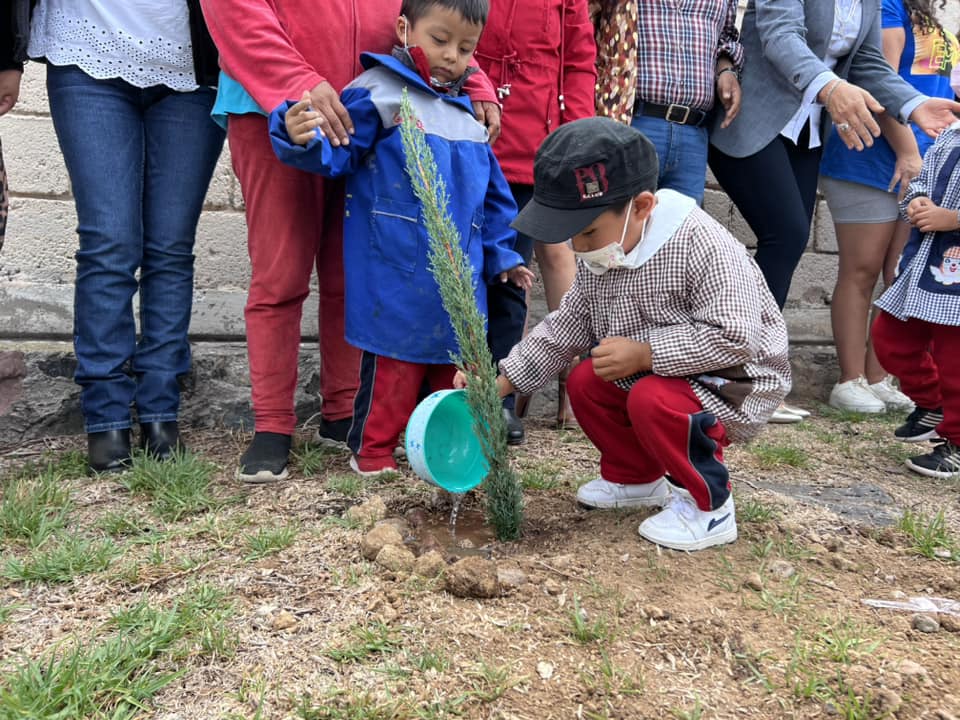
374	639
68	558
269	541
348	485
34	509
929	536
770	456
176	487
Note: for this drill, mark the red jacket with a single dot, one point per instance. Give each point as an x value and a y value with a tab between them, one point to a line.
276	49
542	50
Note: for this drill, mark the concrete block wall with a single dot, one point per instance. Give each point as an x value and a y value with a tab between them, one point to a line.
37	270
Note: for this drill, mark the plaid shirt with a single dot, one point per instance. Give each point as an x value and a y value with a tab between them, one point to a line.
928	283
704	307
680	41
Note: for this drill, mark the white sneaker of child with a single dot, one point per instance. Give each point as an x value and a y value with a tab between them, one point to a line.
605	495
890	396
684	526
783	415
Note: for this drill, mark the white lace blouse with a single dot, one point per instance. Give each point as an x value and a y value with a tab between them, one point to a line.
144	42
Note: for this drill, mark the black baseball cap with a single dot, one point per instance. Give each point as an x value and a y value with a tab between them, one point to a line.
580	170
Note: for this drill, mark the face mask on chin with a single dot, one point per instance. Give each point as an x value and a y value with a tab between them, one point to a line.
612	256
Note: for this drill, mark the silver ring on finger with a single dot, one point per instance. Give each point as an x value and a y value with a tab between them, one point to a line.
843	127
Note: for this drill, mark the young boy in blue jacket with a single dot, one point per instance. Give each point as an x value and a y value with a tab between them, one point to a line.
393	309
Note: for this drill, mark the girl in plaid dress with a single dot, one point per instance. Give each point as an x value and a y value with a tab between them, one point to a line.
917	331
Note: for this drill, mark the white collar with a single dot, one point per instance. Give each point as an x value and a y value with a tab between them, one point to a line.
668	215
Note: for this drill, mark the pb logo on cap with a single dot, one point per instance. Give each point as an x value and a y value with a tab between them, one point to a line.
591	181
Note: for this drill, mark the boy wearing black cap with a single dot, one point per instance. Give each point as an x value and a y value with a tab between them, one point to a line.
688	349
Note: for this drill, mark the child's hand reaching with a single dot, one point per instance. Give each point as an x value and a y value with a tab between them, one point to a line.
504	386
928	217
521	276
302	121
619	357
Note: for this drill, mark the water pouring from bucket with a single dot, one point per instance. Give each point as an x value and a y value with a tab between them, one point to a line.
442	447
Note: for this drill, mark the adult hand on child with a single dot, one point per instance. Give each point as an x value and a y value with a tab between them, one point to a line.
928	217
619	357
335	123
521	276
935	114
301	121
488	114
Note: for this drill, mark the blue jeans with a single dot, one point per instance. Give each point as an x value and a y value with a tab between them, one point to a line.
140	161
682	150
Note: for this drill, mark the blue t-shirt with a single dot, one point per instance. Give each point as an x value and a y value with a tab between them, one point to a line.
926	62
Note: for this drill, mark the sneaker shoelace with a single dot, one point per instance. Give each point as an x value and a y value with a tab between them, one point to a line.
682	506
947	455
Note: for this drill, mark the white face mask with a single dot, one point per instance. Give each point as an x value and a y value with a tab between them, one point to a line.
612	256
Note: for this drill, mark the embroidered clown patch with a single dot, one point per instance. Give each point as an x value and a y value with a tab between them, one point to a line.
948	273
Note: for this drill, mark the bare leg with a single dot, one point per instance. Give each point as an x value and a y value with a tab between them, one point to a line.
863	248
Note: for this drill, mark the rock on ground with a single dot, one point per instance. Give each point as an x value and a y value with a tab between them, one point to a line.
374	540
395	558
473	577
368	512
430	565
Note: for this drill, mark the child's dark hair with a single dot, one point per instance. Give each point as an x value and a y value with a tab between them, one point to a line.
474	11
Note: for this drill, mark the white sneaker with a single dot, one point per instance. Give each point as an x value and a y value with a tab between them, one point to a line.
684	526
783	416
602	494
890	396
855	396
794	410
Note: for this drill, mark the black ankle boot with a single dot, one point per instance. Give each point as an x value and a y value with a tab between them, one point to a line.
515	432
160	439
109	451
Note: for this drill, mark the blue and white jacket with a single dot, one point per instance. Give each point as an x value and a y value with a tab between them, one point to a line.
393	305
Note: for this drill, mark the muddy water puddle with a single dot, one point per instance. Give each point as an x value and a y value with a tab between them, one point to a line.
470	535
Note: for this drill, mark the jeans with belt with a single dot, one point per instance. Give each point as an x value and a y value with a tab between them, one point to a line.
140	161
682	150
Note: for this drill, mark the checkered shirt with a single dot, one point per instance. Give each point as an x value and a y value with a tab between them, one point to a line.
905	298
680	41
704	307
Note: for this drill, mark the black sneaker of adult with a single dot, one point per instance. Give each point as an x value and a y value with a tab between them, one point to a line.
333	433
943	462
921	425
265	460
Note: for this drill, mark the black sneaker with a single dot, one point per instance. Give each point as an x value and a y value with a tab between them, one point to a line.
333	433
943	462
921	425
265	460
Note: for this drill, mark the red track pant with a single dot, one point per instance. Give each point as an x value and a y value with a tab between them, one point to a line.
920	354
657	428
388	393
294	223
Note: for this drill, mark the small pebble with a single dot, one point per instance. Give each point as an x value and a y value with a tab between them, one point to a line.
887	701
545	669
782	569
924	623
552	587
753	581
283	621
950	623
655	613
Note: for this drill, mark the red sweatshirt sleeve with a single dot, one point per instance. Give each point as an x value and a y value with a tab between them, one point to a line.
256	51
579	62
478	86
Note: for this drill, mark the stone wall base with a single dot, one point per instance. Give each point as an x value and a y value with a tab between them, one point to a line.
38	397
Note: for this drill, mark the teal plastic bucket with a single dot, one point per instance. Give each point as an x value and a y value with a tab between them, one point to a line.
441	445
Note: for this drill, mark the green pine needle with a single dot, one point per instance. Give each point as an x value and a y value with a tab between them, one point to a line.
455	279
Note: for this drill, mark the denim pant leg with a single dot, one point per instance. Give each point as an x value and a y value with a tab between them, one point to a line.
682	150
182	145
507	303
100	133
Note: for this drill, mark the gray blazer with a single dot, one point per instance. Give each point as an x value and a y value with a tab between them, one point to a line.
784	42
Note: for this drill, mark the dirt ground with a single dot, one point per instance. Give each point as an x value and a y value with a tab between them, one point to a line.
591	620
